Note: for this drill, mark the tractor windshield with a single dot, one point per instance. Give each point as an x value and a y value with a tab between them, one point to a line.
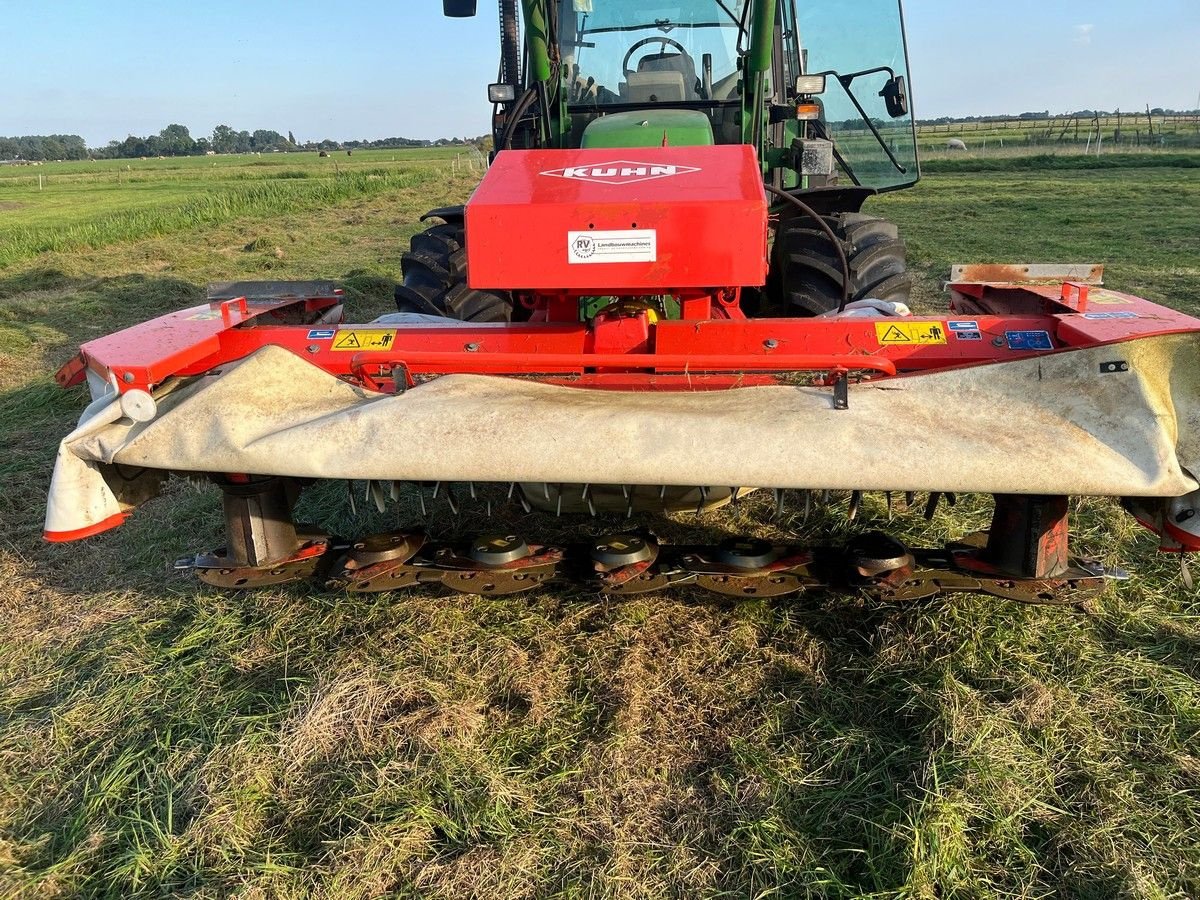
650	51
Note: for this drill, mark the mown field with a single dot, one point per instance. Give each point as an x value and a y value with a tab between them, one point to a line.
158	738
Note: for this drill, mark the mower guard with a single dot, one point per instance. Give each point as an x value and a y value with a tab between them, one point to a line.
1108	420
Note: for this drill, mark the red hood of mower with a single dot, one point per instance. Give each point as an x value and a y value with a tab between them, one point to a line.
638	221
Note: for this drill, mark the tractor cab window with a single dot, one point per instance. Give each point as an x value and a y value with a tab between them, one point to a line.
650	51
861	49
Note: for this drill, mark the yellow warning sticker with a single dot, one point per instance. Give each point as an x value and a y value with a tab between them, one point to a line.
363	339
1107	298
911	332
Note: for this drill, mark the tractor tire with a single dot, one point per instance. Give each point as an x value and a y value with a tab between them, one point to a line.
806	274
435	277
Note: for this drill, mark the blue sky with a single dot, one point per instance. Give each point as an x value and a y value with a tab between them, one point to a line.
370	69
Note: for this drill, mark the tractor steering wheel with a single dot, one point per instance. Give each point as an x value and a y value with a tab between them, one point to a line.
652	40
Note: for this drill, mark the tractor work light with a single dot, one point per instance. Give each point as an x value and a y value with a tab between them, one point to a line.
502	93
810	85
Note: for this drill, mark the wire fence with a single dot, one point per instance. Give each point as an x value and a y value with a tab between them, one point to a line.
1138	130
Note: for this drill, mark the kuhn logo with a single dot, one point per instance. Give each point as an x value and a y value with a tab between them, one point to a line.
621	171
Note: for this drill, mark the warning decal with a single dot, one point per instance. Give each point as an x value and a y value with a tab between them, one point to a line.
1107	298
891	333
362	339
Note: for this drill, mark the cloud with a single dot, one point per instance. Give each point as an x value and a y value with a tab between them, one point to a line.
1083	33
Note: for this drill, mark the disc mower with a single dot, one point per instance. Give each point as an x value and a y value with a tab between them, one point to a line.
663	294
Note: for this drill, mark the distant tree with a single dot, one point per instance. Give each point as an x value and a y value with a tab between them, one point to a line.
74	146
133	147
291	139
224	139
264	140
175	140
52	148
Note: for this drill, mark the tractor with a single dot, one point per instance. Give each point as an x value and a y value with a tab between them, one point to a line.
830	125
663	294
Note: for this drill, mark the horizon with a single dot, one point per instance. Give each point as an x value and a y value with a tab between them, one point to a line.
332	76
302	142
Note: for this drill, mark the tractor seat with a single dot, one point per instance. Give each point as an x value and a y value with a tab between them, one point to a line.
662	78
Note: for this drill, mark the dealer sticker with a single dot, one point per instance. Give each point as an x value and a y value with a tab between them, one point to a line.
587	247
969	335
364	339
1110	315
1029	340
891	333
322	334
963	326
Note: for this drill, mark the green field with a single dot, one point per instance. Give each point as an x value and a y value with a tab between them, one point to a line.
158	738
1065	135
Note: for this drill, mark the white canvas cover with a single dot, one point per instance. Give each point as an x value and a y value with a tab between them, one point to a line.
1061	423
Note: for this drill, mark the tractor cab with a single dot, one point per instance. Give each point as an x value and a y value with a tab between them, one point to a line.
626	53
820	90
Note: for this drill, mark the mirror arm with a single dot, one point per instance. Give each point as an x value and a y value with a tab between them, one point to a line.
845	80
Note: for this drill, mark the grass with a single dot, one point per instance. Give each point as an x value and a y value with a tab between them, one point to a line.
1041	162
1064	135
82	205
159	738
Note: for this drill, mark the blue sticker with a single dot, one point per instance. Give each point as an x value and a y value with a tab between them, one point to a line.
1029	340
963	326
969	335
1110	315
322	334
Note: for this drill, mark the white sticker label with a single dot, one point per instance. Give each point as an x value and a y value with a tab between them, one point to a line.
636	246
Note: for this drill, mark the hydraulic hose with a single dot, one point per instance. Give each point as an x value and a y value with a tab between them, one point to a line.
514	117
829	233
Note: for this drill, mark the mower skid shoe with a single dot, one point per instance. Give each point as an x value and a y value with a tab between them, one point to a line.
264	546
217	569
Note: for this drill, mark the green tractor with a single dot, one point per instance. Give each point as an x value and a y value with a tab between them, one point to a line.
820	92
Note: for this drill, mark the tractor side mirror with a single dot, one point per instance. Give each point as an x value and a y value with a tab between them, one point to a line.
895	95
459	9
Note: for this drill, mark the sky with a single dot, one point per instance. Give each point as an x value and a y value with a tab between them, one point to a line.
367	69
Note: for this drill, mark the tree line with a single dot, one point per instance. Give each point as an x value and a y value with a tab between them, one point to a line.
177	140
43	146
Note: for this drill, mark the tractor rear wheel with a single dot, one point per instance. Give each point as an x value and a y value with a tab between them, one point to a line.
806	273
435	276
